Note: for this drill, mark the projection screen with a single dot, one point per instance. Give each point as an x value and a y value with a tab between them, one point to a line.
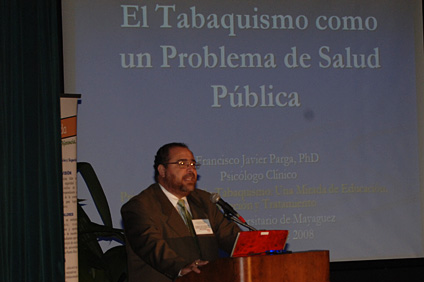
304	115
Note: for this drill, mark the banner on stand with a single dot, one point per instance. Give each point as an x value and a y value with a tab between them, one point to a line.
68	109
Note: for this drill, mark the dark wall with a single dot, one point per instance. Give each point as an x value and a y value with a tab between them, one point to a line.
399	270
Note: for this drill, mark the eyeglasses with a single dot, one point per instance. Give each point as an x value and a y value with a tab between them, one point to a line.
185	163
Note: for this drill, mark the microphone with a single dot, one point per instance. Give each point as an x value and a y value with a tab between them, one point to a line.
228	209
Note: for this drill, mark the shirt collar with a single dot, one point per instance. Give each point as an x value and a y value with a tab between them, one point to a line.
174	199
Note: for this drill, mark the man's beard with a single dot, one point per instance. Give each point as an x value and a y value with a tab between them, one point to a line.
175	185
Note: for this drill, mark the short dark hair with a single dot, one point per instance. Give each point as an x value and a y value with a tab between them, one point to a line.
162	155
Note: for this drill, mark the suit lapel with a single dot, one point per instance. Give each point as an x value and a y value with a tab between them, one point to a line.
171	215
196	207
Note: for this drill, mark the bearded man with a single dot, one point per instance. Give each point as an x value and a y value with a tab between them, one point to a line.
172	228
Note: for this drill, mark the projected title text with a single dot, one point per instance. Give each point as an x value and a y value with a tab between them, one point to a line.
221	57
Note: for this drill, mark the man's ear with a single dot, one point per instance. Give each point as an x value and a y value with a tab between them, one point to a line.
161	170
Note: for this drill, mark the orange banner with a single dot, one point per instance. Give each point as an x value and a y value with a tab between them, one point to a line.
69	127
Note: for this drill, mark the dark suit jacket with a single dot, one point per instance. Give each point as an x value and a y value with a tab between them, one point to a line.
159	244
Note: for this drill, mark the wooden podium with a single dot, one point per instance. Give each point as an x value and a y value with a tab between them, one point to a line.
313	266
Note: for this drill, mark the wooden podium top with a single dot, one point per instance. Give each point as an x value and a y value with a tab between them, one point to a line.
312	266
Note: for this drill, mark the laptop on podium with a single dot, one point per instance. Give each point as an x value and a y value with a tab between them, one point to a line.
250	243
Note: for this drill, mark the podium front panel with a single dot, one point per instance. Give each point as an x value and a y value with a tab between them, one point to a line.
313	266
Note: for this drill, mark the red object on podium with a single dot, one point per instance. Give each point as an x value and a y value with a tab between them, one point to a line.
313	266
259	242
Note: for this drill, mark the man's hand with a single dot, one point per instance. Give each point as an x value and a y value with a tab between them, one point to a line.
194	266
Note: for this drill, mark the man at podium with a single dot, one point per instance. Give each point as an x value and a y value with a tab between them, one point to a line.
173	228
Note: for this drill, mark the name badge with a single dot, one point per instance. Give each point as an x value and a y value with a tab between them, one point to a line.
202	226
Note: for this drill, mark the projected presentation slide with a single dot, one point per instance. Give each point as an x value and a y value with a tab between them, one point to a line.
304	115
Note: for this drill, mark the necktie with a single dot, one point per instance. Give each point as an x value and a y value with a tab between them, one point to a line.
186	216
188	220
